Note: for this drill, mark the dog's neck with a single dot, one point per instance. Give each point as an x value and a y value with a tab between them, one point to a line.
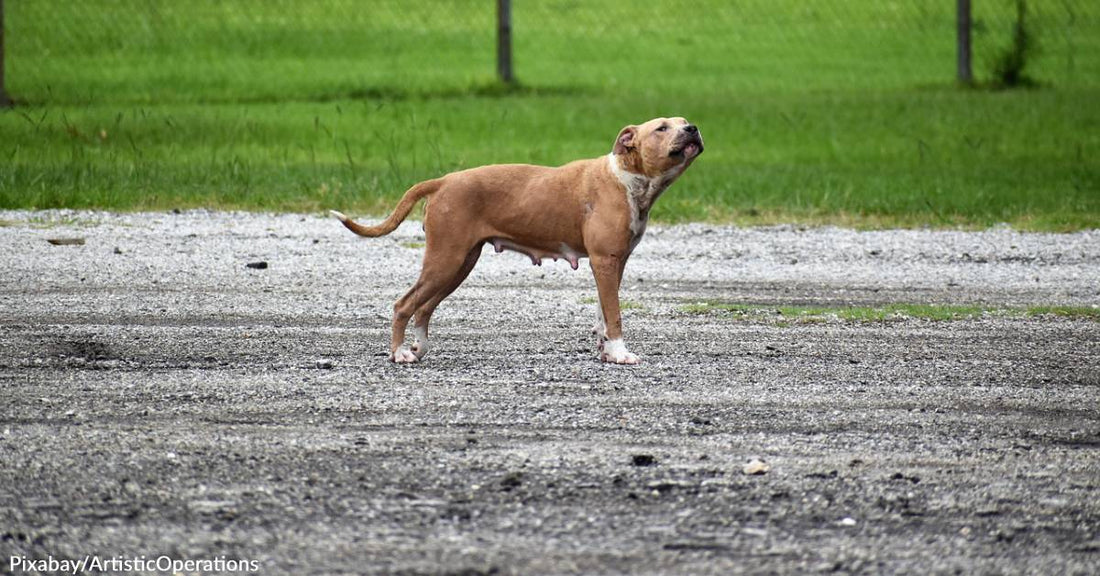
641	190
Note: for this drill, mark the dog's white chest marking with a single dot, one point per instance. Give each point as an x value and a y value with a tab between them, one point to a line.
641	192
637	186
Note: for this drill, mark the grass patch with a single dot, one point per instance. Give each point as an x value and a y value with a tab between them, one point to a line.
785	315
1065	312
281	106
46	223
413	245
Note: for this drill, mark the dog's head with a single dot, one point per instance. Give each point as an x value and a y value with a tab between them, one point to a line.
659	146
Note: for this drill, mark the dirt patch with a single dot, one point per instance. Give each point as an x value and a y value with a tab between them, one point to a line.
169	400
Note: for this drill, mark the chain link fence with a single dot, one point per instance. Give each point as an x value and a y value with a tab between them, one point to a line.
64	51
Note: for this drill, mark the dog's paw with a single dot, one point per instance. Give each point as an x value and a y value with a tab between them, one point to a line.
623	357
615	352
404	356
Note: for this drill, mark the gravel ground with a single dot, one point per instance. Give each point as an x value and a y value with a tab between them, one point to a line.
159	397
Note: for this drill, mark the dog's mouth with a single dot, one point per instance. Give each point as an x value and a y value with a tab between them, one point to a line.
689	149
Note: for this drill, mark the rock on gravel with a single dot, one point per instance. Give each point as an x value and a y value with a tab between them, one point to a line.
755	467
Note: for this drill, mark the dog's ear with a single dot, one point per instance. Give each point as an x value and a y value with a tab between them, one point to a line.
625	141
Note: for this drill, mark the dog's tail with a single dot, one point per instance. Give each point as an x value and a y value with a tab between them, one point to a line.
411	197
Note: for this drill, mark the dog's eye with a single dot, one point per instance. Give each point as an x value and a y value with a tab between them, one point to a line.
662	129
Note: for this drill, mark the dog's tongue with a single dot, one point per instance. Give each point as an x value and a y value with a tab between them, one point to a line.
691	151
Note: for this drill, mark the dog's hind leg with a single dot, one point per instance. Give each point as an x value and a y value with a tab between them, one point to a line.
424	314
442	272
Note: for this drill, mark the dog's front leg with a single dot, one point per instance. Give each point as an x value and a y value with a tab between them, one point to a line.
608	272
600	329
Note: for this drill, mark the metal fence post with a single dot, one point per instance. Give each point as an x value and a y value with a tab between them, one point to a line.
5	101
504	41
965	74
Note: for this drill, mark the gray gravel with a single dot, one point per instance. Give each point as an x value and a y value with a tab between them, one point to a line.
159	396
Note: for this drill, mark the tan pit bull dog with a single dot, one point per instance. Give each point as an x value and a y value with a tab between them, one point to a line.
594	208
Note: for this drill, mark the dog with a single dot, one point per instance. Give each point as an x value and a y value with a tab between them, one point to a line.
596	209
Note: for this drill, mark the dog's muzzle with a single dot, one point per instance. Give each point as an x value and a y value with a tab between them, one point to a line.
689	144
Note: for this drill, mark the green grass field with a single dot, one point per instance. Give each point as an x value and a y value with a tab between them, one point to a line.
846	115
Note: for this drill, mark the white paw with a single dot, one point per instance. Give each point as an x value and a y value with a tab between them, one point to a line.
615	352
404	356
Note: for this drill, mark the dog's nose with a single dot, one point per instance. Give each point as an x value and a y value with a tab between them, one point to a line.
690	129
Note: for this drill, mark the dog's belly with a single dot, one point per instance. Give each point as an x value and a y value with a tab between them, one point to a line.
536	254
